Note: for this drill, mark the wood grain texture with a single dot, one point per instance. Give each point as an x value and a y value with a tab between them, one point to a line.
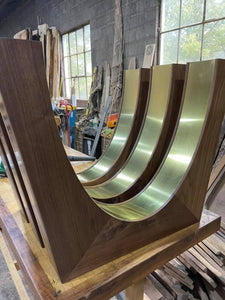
17	179
78	235
101	283
12	180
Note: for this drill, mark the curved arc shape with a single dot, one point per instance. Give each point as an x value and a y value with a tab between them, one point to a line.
181	154
164	104
125	137
79	236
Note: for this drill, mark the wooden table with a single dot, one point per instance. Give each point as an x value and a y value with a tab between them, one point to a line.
102	283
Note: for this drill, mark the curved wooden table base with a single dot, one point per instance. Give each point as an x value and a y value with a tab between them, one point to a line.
78	235
131	120
103	282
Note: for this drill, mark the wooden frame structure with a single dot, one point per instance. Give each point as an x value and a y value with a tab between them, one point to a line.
78	235
103	282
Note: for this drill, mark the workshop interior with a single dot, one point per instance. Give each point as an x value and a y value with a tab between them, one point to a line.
112	149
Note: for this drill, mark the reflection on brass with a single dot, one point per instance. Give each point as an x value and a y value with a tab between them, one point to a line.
163	78
130	97
179	158
79	236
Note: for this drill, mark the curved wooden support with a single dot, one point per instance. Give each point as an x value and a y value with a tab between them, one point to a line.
131	120
12	180
164	105
78	235
16	178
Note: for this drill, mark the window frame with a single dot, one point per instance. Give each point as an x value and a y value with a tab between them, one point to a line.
69	55
179	28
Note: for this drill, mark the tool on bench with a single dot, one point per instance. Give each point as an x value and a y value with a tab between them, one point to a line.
81	158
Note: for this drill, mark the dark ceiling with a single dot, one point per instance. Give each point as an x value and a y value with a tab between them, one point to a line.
7	6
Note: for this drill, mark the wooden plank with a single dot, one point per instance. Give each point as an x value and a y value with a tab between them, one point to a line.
211	254
12	269
160	287
218	272
150	291
149	56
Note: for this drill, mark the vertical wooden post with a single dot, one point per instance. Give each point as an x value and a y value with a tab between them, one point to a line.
136	291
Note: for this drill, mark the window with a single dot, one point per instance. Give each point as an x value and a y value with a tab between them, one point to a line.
192	30
77	62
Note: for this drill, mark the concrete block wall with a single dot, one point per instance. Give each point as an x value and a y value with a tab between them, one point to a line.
140	19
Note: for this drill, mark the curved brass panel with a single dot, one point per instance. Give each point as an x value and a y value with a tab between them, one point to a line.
179	158
130	98
159	98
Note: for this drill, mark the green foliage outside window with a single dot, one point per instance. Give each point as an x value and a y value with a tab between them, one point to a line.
192	30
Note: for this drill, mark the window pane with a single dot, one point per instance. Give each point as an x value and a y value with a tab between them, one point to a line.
214	41
88	63
77	93
191	12
65	45
170	14
190	44
80	41
68	88
215	9
168	53
89	79
83	88
81	64
72	37
74	65
87	38
67	67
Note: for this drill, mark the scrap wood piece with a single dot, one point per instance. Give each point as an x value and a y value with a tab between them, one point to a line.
176	267
132	63
200	289
179	275
212	293
218	272
149	56
191	265
172	284
106	85
211	247
178	264
216	243
211	254
151	292
166	294
217	171
188	283
23	34
187	255
207	257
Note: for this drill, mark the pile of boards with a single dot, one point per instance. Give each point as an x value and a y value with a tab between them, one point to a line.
198	273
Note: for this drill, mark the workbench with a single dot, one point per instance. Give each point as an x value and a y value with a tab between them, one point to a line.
104	282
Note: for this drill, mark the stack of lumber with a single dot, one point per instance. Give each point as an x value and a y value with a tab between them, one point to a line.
198	273
52	54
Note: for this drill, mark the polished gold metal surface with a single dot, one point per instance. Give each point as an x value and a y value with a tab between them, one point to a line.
159	96
174	168
130	98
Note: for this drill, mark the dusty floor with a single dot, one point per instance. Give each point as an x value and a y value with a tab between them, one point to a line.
7	288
